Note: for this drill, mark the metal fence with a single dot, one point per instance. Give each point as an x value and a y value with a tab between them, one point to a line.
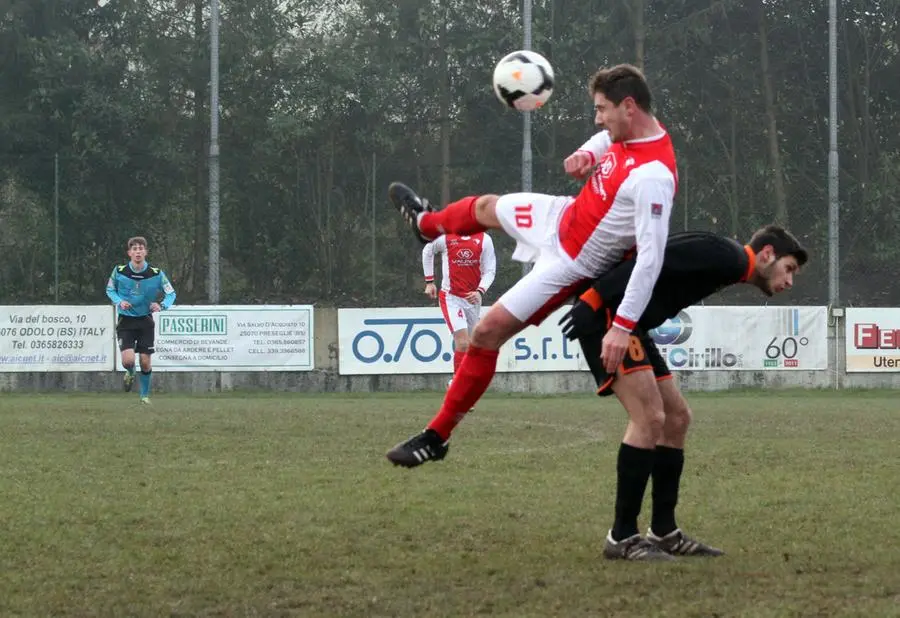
782	111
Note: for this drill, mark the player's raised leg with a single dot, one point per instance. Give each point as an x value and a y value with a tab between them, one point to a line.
529	218
466	216
667	467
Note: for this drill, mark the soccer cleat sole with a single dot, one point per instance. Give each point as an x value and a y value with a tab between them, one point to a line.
406	202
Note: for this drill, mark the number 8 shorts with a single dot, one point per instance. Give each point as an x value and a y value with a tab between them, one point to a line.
641	355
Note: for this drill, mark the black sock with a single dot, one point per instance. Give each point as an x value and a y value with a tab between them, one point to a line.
667	469
633	468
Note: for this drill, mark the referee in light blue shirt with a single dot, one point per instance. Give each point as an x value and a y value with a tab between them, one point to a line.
135	289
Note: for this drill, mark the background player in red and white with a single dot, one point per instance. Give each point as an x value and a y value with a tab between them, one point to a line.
624	205
468	267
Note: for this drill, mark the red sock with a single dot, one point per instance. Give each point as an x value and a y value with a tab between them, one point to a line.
456	218
457	360
471	380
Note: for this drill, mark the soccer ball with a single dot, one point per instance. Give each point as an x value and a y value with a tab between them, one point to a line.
523	80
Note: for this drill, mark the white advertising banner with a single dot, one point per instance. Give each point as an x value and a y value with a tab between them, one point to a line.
745	338
416	340
56	338
872	339
234	338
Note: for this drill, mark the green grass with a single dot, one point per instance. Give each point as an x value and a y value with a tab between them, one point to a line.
249	505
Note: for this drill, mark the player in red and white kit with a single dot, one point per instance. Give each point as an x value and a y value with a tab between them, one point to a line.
468	266
624	205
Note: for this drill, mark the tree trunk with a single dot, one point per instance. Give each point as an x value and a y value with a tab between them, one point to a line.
635	9
781	213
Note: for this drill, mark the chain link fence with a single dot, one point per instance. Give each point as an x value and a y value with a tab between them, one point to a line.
318	115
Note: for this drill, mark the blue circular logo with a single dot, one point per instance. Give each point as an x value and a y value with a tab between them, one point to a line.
673	331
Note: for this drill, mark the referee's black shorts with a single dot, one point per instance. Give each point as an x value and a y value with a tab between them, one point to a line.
136	333
642	355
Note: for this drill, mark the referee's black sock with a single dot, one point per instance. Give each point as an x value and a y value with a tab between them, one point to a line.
633	471
667	467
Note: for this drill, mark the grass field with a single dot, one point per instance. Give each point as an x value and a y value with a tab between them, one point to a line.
279	505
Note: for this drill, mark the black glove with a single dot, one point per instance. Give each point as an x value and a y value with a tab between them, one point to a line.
580	320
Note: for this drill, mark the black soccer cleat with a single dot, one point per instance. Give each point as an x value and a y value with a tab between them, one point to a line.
410	206
426	446
634	547
677	543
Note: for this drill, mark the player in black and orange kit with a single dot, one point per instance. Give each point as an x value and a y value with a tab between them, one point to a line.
696	265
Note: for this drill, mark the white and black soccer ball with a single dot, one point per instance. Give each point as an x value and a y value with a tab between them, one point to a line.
523	80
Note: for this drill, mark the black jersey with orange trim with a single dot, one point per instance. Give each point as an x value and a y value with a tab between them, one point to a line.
696	265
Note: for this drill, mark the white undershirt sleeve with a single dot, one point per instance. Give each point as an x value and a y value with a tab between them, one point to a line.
654	193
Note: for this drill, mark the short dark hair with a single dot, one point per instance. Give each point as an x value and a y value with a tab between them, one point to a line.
620	82
783	242
136	240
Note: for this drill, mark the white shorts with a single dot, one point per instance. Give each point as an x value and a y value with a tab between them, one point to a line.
532	219
458	312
